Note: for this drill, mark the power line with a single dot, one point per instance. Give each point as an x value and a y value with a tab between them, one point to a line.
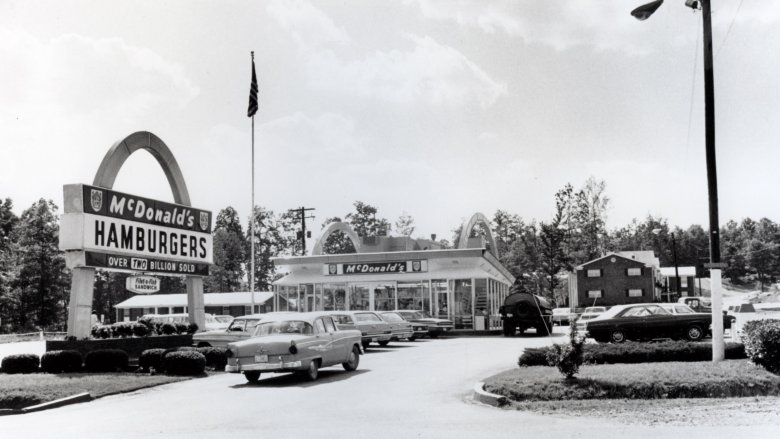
728	31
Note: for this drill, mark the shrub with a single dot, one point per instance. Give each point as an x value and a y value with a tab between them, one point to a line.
140	330
103	332
152	359
762	343
181	328
192	328
567	357
106	360
637	352
184	363
20	363
61	361
168	329
216	358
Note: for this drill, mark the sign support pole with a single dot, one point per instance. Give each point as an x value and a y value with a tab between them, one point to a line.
252	215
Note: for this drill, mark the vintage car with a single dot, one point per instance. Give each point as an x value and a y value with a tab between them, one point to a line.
679	308
301	343
644	321
400	327
343	319
372	328
592	312
419	330
435	326
561	316
239	329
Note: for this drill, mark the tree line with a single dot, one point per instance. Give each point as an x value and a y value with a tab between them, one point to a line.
35	283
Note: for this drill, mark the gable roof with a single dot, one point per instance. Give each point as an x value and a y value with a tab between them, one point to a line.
645	257
209	299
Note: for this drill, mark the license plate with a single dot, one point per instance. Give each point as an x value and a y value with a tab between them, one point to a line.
261	358
509	315
374	340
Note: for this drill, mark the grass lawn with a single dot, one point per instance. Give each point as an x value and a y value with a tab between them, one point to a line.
23	390
729	378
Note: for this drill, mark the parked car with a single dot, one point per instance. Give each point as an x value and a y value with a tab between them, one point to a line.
522	310
436	326
211	323
592	312
401	329
301	343
240	328
419	329
679	308
224	318
561	316
343	319
372	328
697	303
644	321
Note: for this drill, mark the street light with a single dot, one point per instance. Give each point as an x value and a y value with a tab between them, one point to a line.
715	266
674	259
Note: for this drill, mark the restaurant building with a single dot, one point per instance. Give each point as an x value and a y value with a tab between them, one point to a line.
234	304
466	284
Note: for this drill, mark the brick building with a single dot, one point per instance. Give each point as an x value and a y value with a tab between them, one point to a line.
615	279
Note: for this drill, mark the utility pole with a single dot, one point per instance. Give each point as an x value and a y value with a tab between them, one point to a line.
301	216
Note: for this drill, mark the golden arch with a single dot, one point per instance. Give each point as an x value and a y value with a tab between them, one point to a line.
334	227
468	226
83	279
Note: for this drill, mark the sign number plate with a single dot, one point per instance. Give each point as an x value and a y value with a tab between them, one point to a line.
261	358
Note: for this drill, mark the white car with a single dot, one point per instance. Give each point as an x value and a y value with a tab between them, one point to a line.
592	312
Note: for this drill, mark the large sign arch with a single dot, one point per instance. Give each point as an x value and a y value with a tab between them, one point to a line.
338	226
185	249
477	218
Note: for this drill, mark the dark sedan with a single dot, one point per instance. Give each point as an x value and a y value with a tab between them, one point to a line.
645	321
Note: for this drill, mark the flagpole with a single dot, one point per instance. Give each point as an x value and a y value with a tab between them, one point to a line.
252	210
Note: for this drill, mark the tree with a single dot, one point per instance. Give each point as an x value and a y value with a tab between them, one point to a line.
364	221
760	260
507	228
269	243
8	258
404	225
42	281
554	258
591	217
229	253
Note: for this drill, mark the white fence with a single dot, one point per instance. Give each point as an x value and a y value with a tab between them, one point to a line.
31	336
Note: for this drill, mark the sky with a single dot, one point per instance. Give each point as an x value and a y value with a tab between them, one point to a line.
436	108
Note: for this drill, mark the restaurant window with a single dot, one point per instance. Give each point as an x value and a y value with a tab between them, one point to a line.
359	297
461	303
413	295
439	290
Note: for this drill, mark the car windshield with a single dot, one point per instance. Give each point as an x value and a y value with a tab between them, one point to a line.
243	325
224	319
367	317
283	327
682	309
595	309
392	317
342	319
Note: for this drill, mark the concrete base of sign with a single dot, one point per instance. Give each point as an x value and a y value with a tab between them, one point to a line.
80	307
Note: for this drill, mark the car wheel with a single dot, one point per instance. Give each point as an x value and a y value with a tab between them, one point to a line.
617	336
252	376
365	344
412	338
694	333
434	335
353	360
509	330
313	371
383	342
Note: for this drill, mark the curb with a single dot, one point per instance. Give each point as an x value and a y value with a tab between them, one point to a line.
73	399
488	398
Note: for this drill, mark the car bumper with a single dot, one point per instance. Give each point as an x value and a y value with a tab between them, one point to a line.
378	337
268	367
402	334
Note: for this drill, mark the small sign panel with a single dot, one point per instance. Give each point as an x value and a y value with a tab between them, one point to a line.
142	284
412	266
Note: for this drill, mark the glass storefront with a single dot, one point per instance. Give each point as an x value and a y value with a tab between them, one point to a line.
359	297
462	303
441	299
414	295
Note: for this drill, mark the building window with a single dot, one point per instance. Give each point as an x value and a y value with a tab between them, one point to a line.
684	282
635	293
634	271
594	273
594	294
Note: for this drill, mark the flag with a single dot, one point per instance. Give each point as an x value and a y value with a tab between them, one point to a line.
252	93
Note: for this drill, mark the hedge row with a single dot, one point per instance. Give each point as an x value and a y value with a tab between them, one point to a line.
183	361
20	363
142	328
636	352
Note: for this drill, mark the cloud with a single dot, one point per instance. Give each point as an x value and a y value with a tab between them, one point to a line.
430	72
309	26
425	71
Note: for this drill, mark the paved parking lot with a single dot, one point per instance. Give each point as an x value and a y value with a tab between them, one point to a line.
420	389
